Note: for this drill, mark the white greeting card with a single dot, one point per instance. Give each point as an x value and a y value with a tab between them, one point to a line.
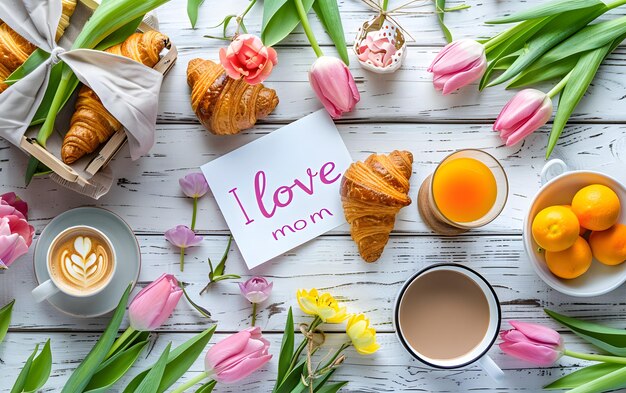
281	190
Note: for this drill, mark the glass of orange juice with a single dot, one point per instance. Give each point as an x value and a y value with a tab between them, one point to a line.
468	189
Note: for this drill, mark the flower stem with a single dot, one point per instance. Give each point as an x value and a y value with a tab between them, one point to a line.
48	125
195	212
316	322
328	364
615	4
120	340
559	86
307	28
596	358
191	382
385	4
182	259
253	314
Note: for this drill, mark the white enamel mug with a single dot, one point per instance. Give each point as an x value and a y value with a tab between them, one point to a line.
478	355
559	184
51	287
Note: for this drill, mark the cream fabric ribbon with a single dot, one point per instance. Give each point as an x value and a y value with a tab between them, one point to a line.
128	90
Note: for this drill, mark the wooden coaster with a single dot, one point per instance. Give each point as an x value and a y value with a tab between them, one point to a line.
429	217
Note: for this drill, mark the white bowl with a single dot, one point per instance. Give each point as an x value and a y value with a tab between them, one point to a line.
600	278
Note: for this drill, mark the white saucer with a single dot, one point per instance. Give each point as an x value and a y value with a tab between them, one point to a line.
128	263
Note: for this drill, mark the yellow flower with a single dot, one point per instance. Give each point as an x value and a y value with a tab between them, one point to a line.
324	306
362	335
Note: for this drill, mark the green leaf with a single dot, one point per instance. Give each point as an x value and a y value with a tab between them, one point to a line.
207	387
317	385
152	381
583	376
39	370
333	387
552	34
192	11
518	39
199	308
601	335
135	338
532	75
286	349
114	368
502	63
328	13
576	87
440	6
20	382
34	60
610	381
178	361
219	269
546	9
292	379
5	319
120	35
280	17
88	367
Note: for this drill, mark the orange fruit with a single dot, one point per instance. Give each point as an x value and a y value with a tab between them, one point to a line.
596	206
609	247
581	230
572	262
555	228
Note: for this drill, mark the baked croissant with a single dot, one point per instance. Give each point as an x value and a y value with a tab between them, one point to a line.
226	106
91	124
372	193
14	49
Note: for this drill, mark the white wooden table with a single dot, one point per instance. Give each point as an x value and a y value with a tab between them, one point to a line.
397	111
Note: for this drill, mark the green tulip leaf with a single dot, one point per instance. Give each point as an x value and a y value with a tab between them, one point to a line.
546	9
610	381
280	18
440	6
517	40
317	385
178	361
286	349
584	375
203	311
576	87
207	387
135	338
20	382
333	387
5	319
601	335
192	11
114	368
292	379
88	367
532	75
120	35
501	64
39	370
551	35
328	13
38	57
151	382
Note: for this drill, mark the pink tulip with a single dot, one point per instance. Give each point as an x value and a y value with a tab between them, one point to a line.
246	57
194	185
14	201
524	113
154	304
16	235
533	343
256	289
237	356
182	237
458	64
377	48
334	85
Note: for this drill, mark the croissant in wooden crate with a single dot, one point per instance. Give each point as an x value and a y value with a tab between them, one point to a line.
372	193
224	105
14	49
91	124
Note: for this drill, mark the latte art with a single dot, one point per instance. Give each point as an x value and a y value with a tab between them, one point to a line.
81	261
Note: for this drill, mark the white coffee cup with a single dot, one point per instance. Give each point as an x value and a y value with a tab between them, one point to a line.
476	355
53	286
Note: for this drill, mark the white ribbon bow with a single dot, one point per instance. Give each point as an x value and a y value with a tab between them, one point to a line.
128	89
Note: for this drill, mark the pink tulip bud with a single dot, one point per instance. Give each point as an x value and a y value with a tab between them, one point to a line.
533	343
16	235
154	304
182	237
524	113
458	64
334	85
14	201
237	356
246	57
256	289
194	185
